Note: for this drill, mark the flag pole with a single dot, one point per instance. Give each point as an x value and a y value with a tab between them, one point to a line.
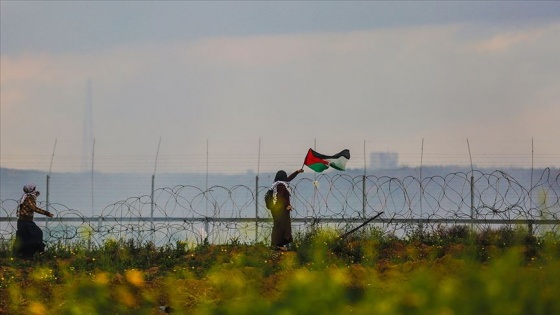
303	164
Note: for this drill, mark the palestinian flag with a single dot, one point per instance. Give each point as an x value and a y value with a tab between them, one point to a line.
320	162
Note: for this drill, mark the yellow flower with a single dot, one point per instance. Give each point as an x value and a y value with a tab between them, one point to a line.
37	308
101	278
126	297
134	277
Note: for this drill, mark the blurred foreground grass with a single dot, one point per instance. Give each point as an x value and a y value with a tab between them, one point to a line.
448	271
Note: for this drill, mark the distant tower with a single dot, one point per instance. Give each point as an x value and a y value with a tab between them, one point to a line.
88	129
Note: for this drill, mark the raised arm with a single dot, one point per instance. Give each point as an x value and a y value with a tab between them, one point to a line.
294	174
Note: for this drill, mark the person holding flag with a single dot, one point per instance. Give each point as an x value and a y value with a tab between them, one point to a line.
282	224
278	196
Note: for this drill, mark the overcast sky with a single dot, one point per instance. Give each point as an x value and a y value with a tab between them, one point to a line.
212	79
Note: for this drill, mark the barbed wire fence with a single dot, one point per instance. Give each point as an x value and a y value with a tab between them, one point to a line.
220	214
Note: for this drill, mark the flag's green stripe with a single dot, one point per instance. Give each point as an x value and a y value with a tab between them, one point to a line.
318	167
340	168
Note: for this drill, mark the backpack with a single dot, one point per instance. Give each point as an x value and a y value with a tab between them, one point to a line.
269	199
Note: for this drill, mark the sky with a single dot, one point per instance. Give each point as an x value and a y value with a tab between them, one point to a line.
235	86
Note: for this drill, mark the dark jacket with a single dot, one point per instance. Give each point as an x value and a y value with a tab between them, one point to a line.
282	223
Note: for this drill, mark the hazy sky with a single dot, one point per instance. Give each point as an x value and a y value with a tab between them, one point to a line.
212	78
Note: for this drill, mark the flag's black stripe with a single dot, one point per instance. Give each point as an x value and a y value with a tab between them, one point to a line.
344	153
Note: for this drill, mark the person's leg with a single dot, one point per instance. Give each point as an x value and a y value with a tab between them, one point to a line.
18	245
34	244
27	251
286	230
276	235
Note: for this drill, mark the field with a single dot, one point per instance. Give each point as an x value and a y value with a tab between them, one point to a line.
447	271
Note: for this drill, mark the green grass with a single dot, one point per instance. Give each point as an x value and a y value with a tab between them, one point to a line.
447	271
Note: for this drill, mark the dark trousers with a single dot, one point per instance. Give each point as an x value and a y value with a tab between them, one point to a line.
29	239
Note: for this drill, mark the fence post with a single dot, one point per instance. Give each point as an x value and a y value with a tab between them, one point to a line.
364	198
421	189
256	208
48	203
152	212
472	202
472	187
99	224
206	229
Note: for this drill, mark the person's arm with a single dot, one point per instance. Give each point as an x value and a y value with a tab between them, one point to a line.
31	204
294	174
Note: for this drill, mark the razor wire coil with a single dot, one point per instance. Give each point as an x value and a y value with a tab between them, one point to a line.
221	214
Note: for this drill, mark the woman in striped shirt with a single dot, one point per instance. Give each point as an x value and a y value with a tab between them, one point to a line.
29	237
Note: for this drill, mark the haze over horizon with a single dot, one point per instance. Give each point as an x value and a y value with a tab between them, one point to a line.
237	86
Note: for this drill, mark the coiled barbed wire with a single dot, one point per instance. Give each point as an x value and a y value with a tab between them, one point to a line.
221	214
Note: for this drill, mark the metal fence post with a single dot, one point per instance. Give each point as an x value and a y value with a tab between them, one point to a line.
206	229
472	202
256	208
48	203
152	212
364	198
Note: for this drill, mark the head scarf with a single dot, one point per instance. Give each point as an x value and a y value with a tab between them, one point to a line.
280	178
29	189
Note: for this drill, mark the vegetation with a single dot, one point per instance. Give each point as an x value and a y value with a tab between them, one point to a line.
447	271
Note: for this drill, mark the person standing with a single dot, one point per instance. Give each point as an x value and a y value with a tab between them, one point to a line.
282	224
29	237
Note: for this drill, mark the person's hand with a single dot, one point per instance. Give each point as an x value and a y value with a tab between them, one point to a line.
300	170
289	208
49	214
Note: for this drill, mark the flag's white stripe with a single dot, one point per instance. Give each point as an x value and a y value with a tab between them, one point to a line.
339	162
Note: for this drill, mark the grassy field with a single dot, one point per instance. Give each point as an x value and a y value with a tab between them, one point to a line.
448	271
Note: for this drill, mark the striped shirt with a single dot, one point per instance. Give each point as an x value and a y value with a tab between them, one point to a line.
28	207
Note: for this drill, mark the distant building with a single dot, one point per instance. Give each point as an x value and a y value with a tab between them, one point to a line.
383	160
